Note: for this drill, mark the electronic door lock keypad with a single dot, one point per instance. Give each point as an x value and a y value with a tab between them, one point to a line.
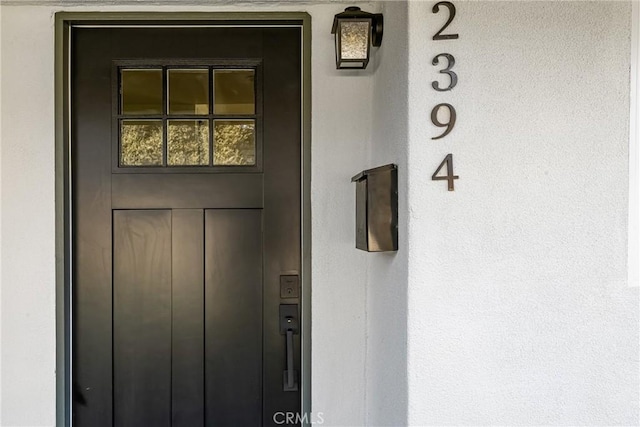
289	286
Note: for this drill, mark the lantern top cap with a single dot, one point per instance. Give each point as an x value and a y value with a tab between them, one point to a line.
352	12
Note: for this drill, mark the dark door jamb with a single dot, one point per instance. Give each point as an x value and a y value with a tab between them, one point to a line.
64	24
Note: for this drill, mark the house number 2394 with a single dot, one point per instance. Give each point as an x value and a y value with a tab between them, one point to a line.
447	61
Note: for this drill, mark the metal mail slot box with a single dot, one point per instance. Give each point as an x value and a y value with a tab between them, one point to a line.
377	209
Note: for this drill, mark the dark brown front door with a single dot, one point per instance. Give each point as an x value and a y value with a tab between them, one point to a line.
185	160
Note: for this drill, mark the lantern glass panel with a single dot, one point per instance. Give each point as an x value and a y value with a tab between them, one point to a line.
354	39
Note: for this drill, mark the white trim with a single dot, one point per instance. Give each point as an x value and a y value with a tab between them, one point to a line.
633	263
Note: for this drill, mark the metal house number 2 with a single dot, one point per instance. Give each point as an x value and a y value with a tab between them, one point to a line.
453	81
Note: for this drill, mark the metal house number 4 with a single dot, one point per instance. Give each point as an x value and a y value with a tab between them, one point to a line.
453	81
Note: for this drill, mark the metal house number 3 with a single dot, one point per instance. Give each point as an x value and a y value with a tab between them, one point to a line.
453	81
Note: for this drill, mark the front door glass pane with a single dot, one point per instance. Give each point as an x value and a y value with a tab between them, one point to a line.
141	91
234	142
141	143
188	143
234	92
188	91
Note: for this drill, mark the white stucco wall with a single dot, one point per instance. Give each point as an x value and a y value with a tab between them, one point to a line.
519	310
386	356
27	177
341	123
341	131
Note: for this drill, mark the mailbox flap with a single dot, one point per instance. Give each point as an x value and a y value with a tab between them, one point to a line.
362	175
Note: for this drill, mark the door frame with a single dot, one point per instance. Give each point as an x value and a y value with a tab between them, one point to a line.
64	24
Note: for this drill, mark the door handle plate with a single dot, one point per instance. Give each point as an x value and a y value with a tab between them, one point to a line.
289	326
289	318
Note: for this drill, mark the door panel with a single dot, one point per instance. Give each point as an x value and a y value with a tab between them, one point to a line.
187	278
91	324
142	318
176	272
233	333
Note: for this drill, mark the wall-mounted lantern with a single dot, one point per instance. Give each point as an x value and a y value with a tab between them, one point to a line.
355	32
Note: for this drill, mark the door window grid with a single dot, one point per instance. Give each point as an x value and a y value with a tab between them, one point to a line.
221	131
